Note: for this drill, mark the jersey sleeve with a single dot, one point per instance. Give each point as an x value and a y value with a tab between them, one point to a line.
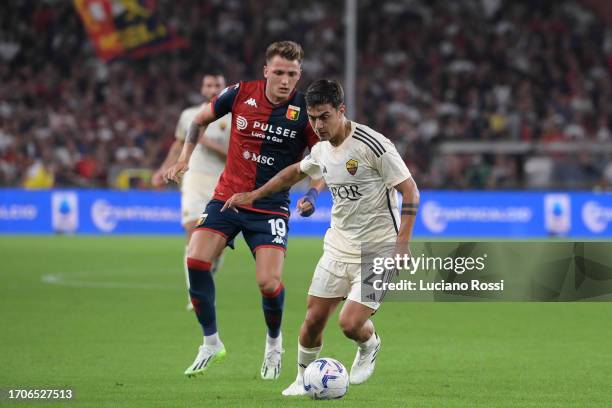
311	137
221	135
222	103
391	166
311	166
180	132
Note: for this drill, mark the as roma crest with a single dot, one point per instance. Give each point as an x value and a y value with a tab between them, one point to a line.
293	112
351	166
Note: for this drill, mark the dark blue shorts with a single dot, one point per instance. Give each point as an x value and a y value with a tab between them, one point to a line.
258	229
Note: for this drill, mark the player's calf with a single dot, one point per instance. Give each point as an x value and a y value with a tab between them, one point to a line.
202	293
311	332
272	304
356	325
310	341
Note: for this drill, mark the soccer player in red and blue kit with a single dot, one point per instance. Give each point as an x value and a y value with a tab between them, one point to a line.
270	131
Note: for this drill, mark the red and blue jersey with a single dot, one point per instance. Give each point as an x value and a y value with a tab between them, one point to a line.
265	138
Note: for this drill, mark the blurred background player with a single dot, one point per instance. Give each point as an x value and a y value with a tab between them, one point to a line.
270	131
363	170
205	165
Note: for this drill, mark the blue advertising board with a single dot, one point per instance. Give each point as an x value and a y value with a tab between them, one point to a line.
468	214
89	212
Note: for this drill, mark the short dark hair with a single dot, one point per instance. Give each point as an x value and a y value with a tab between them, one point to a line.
213	74
289	50
324	91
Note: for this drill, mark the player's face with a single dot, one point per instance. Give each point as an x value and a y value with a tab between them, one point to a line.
326	121
212	85
281	76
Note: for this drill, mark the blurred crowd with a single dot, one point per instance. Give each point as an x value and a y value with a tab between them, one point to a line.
429	73
488	71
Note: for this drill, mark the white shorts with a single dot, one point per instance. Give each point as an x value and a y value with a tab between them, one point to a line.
197	190
334	279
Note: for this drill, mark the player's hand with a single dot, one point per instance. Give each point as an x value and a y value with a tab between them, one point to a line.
306	205
401	249
239	199
157	180
304	208
175	172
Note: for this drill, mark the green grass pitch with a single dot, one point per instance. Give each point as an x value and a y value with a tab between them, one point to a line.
106	317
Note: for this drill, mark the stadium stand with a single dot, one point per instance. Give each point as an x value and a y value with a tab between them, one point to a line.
479	94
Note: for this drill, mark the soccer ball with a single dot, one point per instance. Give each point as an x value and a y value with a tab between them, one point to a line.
326	378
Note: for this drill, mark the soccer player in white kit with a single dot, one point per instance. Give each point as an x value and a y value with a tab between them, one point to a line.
205	165
363	170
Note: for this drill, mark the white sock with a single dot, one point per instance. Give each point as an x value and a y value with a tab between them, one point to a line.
275	342
305	357
212	340
369	343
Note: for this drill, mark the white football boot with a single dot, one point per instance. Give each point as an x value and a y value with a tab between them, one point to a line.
271	366
207	355
296	388
364	363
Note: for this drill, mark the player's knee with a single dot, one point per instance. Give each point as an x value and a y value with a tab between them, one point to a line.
314	322
268	285
198	262
194	252
350	327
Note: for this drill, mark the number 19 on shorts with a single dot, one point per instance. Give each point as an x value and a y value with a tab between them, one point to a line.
278	227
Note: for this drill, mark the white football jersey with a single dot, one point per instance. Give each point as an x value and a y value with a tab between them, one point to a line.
360	174
203	159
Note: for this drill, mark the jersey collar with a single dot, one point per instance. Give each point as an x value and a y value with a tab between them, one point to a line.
350	135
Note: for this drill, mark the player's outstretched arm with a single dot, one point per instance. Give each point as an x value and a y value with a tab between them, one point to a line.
171	158
205	116
282	181
410	205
